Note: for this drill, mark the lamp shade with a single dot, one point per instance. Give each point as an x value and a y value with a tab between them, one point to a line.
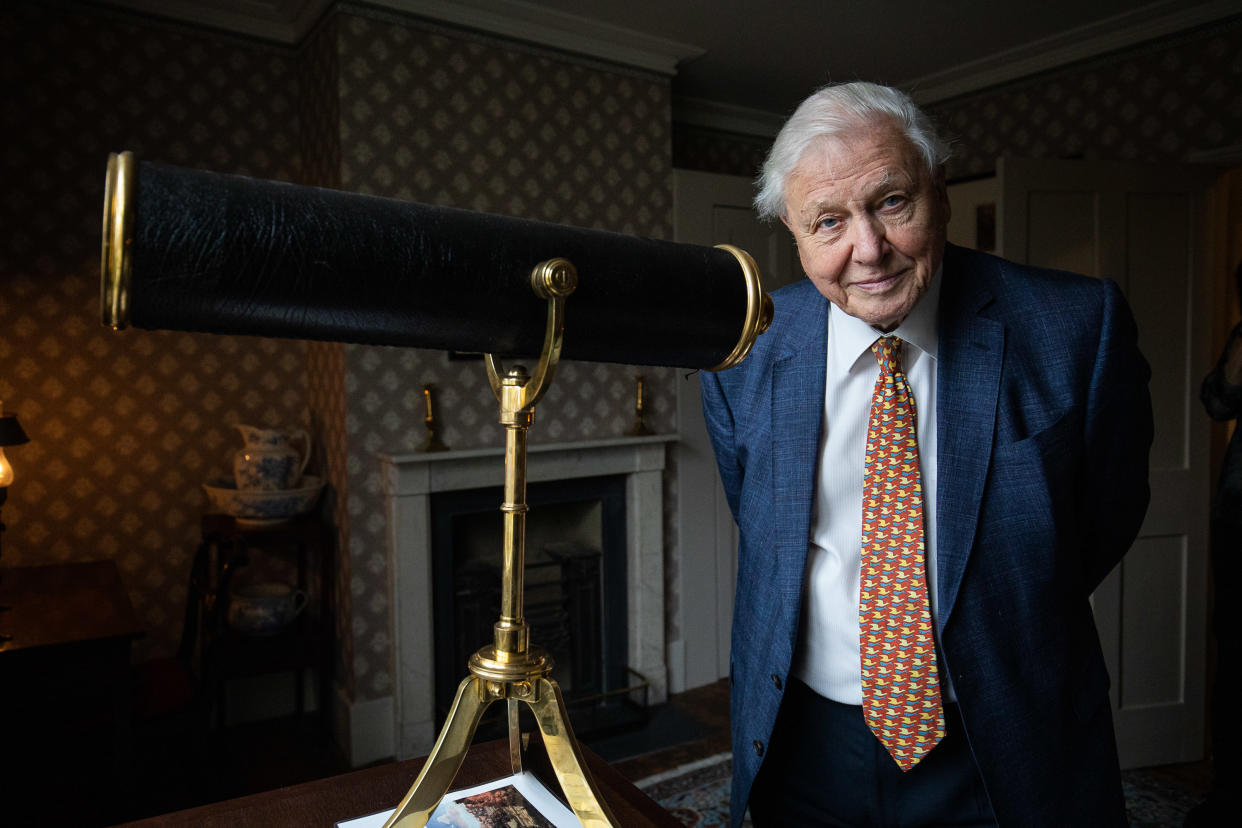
11	433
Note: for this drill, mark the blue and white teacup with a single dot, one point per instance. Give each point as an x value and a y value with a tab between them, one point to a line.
264	609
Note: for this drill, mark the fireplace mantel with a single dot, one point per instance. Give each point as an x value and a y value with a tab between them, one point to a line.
411	478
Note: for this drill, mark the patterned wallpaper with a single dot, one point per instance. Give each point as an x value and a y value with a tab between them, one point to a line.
124	427
438	117
1157	102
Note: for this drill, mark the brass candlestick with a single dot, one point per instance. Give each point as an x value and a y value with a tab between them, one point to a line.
640	427
433	441
511	668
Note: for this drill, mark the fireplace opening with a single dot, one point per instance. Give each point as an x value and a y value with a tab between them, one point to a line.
575	595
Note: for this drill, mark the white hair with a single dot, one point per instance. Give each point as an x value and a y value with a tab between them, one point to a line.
830	111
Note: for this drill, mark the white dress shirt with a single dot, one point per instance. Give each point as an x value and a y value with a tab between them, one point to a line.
827	656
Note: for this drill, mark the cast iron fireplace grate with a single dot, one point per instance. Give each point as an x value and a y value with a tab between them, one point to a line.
575	596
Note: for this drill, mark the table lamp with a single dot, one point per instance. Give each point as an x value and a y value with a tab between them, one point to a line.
11	434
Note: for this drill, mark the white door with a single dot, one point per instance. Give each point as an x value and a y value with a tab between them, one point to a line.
1142	226
711	209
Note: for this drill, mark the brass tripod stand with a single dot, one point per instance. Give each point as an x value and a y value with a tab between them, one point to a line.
511	668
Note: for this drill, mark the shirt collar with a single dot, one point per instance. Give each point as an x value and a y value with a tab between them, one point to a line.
851	337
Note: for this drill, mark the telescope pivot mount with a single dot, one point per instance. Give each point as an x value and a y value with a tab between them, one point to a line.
510	668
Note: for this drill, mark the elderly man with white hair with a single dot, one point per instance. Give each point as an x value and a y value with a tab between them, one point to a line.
933	457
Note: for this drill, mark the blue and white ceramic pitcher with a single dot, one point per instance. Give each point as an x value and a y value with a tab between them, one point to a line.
269	461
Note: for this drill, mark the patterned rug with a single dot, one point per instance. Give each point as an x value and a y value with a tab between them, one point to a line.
698	795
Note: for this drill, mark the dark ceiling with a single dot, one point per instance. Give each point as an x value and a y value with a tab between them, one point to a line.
769	54
766	55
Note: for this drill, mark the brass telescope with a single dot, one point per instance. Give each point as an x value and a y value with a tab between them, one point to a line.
200	251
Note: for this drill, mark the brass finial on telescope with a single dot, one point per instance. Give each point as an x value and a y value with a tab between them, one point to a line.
511	668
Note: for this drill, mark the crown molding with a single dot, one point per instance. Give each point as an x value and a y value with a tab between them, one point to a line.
288	21
1128	29
1227	156
741	120
1152	21
281	21
529	23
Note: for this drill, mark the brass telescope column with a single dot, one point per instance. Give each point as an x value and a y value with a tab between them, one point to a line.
511	668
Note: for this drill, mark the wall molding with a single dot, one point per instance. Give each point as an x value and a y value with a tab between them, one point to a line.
529	23
281	21
288	21
1111	34
1227	156
723	117
365	730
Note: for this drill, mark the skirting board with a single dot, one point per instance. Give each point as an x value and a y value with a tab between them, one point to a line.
677	666
268	696
365	729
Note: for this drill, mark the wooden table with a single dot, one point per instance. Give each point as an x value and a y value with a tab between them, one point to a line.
65	688
325	802
64	605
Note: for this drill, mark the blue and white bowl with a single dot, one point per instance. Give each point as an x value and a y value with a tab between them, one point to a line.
262	508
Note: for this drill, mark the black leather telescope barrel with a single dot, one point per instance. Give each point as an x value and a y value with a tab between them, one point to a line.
201	251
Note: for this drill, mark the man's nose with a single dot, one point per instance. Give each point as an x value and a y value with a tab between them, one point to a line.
869	241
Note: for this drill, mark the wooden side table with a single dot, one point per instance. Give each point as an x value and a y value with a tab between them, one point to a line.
65	691
306	541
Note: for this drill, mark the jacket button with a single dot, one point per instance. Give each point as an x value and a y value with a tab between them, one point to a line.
776	681
758	748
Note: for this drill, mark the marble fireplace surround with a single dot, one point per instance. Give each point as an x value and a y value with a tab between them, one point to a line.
411	478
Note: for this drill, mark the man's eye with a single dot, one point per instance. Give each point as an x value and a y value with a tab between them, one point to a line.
828	223
894	201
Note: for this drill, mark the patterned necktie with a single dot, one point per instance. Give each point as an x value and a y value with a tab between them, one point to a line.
901	691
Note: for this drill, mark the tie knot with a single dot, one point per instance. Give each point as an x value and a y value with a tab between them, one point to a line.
887	350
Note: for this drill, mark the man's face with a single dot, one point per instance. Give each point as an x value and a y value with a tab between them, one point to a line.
869	221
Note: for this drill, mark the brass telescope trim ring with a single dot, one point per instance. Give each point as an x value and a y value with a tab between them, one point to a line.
115	265
758	308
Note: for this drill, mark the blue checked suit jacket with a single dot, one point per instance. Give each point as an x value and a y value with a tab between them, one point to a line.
1044	426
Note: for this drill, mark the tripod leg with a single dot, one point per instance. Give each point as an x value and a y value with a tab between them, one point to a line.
566	758
516	748
445	758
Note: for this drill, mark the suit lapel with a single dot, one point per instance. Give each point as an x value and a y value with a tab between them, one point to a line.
971	351
797	406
